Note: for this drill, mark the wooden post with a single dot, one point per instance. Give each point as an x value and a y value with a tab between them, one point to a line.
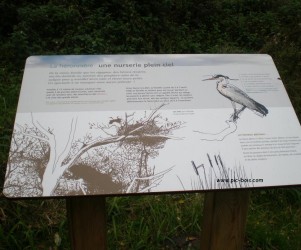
87	223
224	220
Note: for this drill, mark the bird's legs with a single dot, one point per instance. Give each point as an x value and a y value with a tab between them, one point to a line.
236	113
234	116
240	110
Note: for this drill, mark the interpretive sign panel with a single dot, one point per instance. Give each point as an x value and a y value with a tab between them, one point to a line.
120	124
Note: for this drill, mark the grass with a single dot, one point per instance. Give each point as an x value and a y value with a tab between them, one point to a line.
274	220
137	222
172	216
153	222
31	224
216	169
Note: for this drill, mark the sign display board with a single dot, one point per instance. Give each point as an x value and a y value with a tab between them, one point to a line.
124	124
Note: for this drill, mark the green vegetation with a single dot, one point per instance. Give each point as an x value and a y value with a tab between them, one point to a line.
129	26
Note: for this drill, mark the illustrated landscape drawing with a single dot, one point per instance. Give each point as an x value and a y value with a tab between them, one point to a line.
116	161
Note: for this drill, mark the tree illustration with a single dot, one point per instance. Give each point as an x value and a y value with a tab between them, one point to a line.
118	156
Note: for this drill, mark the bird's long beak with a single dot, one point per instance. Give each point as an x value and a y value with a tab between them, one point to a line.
208	79
214	78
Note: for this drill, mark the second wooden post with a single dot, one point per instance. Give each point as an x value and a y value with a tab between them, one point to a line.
224	220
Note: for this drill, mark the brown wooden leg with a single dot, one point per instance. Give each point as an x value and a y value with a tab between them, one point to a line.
87	223
224	220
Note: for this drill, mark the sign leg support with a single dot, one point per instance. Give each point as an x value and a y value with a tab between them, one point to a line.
87	222
224	220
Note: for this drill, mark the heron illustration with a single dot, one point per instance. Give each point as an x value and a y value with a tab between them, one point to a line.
237	96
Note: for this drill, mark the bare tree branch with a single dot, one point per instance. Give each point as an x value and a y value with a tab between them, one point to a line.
104	141
67	148
154	112
155	178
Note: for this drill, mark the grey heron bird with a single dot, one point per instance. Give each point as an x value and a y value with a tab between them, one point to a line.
237	96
